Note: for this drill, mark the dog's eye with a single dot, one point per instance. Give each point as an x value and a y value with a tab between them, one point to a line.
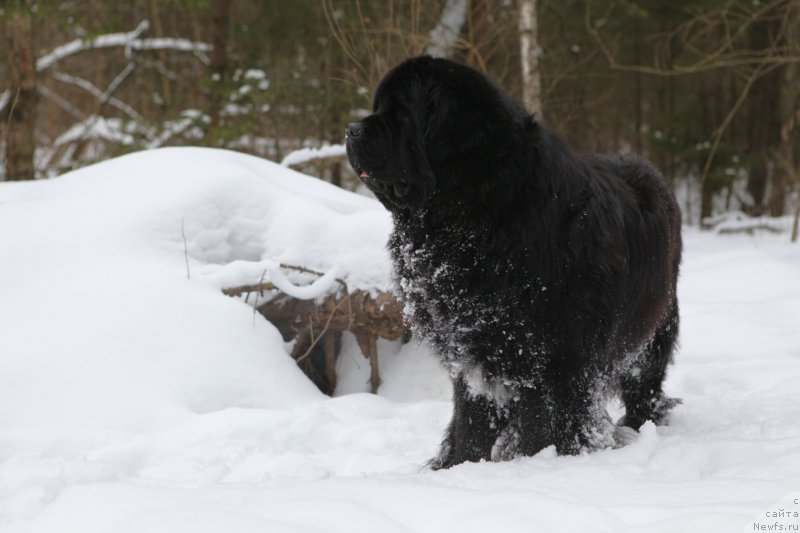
404	113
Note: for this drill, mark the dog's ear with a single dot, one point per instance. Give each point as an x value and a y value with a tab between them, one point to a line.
440	124
434	112
454	126
422	166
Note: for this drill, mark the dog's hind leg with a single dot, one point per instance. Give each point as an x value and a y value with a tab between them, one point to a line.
642	385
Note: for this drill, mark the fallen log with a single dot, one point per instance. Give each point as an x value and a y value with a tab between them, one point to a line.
314	327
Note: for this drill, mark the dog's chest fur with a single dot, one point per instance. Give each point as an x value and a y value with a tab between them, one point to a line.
463	301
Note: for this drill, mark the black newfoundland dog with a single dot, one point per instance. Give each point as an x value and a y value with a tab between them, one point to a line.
545	279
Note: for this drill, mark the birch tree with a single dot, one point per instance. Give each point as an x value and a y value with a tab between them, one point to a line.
529	56
444	36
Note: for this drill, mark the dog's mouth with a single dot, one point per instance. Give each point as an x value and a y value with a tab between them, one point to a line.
395	191
363	175
399	189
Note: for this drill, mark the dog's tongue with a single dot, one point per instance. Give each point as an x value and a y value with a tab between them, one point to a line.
363	174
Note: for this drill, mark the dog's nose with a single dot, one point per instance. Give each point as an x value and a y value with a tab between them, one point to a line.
355	129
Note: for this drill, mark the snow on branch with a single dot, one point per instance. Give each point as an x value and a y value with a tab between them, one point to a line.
108	40
170	129
317	288
128	40
170	43
305	155
96	127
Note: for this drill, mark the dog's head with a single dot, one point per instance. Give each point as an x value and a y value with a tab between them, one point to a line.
434	122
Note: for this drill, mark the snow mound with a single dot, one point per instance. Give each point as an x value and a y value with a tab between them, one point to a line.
107	330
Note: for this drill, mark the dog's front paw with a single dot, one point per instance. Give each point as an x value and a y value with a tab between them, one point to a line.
444	459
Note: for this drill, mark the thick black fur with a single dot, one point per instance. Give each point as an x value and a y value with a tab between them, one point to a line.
545	279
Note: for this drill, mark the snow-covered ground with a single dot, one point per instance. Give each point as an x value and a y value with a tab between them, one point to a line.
137	398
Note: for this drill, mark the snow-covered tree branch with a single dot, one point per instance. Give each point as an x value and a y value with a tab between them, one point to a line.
127	40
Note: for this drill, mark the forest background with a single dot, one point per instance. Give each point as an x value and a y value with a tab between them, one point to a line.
708	90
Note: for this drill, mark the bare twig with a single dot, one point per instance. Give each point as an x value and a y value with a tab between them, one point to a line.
325	328
185	247
258	293
103	99
89	87
61	102
724	56
244	289
339	35
117	81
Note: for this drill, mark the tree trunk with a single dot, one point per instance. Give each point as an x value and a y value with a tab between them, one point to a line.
786	108
706	195
763	139
637	90
219	36
757	184
529	55
220	10
445	35
21	118
336	173
166	92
